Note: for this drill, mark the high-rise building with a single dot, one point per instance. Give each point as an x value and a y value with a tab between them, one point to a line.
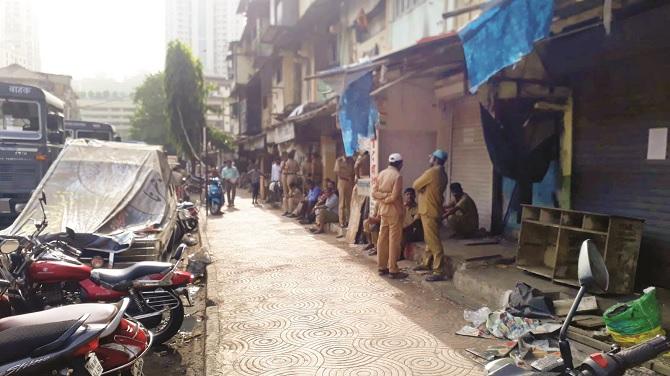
19	40
207	27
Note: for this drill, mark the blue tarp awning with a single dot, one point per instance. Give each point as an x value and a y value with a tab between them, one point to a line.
502	35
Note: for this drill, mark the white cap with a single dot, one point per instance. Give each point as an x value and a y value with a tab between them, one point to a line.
395	157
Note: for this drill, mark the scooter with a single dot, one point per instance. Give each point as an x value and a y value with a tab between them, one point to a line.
215	198
82	339
592	274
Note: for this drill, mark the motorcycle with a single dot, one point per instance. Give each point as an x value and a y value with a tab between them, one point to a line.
48	274
82	339
592	274
187	216
215	198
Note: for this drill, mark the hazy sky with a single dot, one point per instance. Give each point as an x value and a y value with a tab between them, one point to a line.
114	38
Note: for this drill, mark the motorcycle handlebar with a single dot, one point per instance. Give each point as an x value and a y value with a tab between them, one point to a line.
643	352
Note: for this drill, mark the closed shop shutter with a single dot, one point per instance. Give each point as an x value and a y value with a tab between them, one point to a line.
615	107
470	162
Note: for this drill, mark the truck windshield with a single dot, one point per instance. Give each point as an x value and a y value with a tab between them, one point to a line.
19	119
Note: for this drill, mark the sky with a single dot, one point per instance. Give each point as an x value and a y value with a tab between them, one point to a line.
101	38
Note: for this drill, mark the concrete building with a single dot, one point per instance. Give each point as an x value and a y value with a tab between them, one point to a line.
116	111
57	84
19	43
207	27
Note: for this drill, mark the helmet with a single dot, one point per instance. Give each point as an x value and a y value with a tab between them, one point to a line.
440	154
395	157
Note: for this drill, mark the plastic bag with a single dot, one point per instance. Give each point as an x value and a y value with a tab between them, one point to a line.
477	317
636	317
634	339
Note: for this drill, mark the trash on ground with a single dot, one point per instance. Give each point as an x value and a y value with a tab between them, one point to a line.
469	331
546	328
505	325
478	317
198	261
495	351
547	364
526	301
636	321
562	306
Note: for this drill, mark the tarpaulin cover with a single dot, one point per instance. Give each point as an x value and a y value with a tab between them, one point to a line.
102	187
526	301
502	35
358	113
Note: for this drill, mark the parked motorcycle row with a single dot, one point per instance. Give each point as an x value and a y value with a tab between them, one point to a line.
60	316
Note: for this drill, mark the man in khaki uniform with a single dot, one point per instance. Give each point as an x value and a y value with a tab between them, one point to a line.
290	176
344	170
430	187
387	190
461	213
306	169
362	166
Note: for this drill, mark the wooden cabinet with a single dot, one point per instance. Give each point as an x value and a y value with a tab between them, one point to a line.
551	238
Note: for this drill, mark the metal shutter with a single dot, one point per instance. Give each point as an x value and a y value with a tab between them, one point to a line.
470	162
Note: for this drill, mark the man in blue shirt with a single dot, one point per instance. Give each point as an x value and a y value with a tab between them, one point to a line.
230	175
306	206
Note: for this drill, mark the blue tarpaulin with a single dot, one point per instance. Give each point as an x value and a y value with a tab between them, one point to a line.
358	113
502	35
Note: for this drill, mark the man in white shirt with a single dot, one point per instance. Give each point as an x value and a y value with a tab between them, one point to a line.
230	175
275	178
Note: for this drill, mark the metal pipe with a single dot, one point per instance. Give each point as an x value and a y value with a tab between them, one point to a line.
563	344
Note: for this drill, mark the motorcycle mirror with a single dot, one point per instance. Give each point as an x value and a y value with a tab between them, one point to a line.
591	268
9	246
179	252
70	233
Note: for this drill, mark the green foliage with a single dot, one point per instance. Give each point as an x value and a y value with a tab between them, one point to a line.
149	122
219	140
185	91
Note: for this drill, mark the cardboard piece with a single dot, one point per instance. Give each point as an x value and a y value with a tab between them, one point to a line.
562	306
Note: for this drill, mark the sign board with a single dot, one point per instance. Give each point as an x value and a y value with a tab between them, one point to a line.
283	133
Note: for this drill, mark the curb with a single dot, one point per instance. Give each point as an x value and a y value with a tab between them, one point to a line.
211	312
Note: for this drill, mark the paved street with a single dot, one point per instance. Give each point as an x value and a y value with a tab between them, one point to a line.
290	303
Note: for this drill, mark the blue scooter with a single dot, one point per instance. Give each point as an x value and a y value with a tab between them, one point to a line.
215	198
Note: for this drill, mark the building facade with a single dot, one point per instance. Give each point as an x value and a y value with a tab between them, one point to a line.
117	111
19	40
207	27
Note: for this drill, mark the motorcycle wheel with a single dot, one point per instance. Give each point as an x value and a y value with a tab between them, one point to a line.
170	325
214	209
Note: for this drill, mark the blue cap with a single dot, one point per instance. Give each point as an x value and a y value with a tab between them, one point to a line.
440	154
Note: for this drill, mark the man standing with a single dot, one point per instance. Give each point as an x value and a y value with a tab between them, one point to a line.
387	190
230	175
275	181
362	165
461	213
344	170
290	176
255	180
430	187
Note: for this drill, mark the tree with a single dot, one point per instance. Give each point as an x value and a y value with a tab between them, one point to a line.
185	92
150	122
219	140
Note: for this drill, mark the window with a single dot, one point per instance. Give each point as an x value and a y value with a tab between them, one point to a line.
405	6
19	119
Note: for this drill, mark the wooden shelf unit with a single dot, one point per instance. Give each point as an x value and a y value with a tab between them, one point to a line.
551	238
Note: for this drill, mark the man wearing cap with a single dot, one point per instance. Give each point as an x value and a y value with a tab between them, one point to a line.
387	190
430	187
344	170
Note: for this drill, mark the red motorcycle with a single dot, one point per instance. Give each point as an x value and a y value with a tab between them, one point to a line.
48	274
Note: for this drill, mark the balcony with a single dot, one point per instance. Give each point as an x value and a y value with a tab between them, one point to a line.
284	15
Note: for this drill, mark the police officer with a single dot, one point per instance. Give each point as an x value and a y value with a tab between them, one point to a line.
362	165
344	170
290	177
387	190
430	188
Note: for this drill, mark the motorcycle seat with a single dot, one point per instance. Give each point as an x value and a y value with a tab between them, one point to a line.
137	270
99	314
18	342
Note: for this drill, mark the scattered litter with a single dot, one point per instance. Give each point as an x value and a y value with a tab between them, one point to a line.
588	322
547	364
469	331
478	317
198	261
494	352
546	328
192	291
562	306
526	301
504	325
